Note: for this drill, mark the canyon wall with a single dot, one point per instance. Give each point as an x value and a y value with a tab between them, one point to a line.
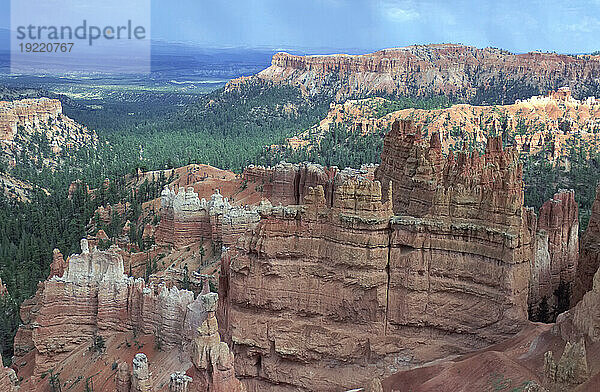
95	298
467	73
93	301
185	219
429	260
26	112
589	257
556	249
309	275
461	239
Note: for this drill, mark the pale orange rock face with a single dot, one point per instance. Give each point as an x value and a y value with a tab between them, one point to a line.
94	297
541	124
425	70
19	120
391	274
26	112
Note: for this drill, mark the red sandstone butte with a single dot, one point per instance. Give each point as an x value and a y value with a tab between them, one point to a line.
429	260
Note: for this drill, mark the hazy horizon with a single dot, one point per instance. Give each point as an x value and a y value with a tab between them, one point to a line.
360	26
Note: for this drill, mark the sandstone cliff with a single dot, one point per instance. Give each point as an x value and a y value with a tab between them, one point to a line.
88	307
185	219
429	261
467	73
589	259
556	249
20	120
284	300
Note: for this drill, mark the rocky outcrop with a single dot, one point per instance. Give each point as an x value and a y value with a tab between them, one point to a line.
123	378
556	253
20	120
141	378
9	382
95	298
429	261
460	245
27	112
185	219
467	73
58	265
179	382
570	370
213	361
558	217
589	258
284	300
288	183
566	123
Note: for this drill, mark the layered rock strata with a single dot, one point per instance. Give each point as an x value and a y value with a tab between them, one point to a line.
213	360
463	72
284	300
95	298
26	112
589	257
288	183
430	260
556	248
460	245
186	219
566	123
20	120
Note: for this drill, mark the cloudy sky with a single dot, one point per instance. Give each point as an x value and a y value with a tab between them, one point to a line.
567	26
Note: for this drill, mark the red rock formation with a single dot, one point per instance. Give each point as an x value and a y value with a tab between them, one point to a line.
284	300
446	275
58	266
185	219
213	361
425	70
288	184
94	297
557	247
589	259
